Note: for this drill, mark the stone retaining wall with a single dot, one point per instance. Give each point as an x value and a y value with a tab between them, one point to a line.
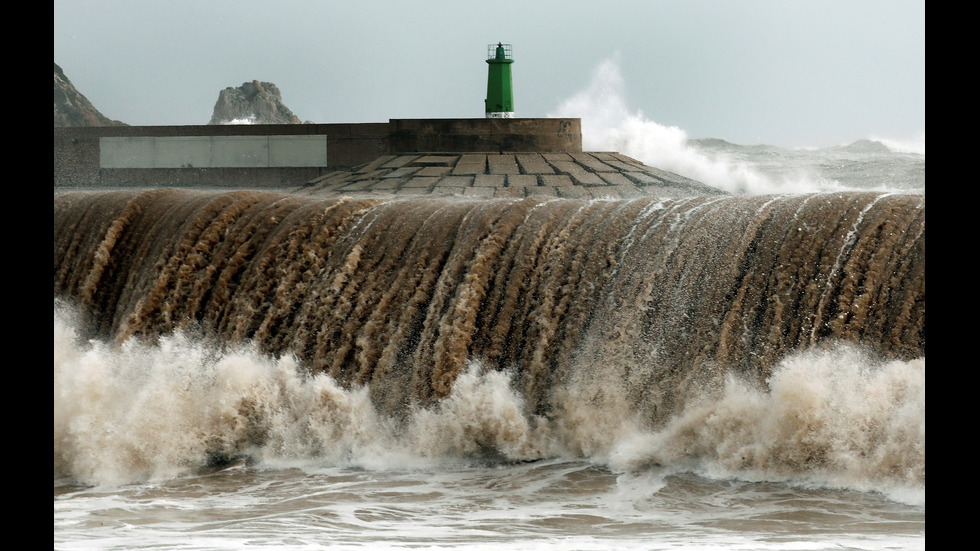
77	150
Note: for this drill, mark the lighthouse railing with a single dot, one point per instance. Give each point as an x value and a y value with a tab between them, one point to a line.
492	51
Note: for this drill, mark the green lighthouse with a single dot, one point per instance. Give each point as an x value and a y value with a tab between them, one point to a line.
500	85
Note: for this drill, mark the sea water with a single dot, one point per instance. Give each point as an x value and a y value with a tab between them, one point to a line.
129	425
827	454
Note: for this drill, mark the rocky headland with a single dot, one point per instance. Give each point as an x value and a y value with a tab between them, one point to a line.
252	103
72	108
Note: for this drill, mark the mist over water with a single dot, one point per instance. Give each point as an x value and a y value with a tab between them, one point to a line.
916	145
609	124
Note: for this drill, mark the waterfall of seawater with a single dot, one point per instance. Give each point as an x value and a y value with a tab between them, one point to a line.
626	307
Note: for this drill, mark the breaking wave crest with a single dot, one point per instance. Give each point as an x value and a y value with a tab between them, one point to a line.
138	412
609	124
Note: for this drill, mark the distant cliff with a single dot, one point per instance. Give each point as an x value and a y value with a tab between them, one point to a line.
71	108
252	103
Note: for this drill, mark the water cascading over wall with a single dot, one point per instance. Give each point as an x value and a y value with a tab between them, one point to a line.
400	294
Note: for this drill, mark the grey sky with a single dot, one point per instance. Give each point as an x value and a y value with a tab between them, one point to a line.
781	72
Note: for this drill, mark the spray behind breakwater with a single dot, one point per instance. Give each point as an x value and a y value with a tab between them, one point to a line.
609	124
599	316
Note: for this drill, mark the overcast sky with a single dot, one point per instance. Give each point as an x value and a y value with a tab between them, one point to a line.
781	72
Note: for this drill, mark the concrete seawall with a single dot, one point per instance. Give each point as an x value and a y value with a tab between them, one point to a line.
266	155
586	175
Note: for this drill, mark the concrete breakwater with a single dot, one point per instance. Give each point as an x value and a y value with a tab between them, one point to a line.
594	175
276	156
454	157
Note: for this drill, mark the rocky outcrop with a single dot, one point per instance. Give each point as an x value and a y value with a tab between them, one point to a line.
252	103
72	108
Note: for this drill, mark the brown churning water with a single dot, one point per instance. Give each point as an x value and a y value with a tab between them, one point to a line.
667	295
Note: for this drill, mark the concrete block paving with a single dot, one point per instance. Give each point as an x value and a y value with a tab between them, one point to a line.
589	175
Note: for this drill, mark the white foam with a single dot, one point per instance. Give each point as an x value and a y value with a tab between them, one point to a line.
915	144
608	124
147	412
834	418
153	412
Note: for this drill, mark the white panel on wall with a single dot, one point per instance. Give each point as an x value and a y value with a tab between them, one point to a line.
182	152
297	151
213	151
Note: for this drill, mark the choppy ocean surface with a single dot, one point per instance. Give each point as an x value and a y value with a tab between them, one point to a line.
552	504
